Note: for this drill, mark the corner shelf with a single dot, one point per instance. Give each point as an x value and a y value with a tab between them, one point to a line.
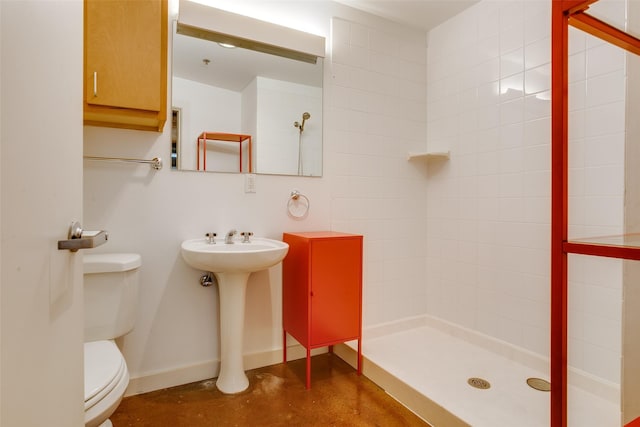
427	155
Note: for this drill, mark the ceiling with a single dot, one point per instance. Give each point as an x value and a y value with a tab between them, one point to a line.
422	14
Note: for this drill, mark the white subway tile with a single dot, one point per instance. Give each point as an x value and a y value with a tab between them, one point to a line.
577	41
340	31
605	119
511	14
606	302
537	53
340	53
537	21
605	150
606	88
537	184
577	67
488	22
512	111
604	181
537	106
604	59
537	79
606	211
512	62
511	38
359	35
488	71
487	48
537	158
577	95
537	132
488	94
382	42
602	362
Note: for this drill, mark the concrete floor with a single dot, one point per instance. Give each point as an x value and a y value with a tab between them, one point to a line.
276	397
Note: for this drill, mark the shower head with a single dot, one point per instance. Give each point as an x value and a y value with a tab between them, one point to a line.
305	116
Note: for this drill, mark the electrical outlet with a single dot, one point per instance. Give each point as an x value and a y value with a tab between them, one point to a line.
250	183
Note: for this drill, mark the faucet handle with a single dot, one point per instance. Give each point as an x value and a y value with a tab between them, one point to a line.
246	236
211	238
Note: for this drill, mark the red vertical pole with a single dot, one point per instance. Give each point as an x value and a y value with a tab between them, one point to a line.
204	153
559	211
198	155
240	144
250	157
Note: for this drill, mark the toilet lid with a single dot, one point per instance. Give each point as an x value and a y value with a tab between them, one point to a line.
103	368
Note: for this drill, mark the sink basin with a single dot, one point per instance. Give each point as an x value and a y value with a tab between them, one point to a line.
238	257
232	264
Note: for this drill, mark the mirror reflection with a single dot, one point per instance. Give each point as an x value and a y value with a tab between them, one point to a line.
239	110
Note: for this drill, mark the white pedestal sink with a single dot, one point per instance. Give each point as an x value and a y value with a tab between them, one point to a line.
232	264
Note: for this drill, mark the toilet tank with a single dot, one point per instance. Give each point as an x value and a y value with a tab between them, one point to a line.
110	294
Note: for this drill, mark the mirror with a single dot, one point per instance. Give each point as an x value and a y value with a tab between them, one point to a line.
243	110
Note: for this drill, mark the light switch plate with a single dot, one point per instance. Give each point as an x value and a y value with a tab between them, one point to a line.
250	183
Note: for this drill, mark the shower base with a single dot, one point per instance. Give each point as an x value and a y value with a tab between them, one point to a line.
426	363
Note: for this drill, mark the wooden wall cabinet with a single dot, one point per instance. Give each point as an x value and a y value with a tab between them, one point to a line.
125	63
322	291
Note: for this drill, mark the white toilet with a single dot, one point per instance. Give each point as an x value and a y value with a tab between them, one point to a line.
110	301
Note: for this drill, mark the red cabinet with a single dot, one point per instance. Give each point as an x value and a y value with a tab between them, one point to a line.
322	291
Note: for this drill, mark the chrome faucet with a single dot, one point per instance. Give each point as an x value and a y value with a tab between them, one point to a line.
229	239
210	238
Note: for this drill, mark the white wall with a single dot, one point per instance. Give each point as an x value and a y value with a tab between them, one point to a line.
489	206
374	114
280	104
41	352
207	108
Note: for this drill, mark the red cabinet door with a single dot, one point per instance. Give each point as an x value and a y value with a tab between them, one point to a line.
335	289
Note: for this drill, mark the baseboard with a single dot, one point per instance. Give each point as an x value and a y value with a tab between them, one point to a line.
158	380
412	399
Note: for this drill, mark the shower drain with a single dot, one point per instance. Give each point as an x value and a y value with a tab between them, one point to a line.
539	384
479	383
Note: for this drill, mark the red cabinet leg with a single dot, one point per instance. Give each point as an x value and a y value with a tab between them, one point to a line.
284	346
308	368
360	356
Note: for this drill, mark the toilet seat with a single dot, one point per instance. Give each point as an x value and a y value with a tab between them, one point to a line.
106	378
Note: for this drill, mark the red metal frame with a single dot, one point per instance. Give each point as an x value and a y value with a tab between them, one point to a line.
559	210
563	14
595	249
217	136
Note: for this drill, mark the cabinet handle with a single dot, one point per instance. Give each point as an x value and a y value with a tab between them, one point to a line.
95	84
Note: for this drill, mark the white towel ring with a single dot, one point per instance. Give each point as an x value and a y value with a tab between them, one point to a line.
298	205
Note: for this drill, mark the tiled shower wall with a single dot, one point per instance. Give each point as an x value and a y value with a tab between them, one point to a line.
488	216
377	106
